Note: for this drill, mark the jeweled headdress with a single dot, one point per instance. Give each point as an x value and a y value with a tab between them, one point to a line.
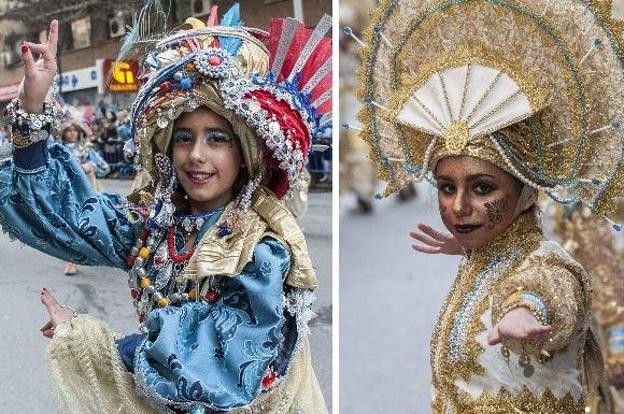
273	87
535	87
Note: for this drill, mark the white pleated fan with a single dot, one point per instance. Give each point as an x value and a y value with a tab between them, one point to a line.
466	102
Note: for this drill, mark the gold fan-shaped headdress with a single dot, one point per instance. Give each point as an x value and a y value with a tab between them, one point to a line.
535	87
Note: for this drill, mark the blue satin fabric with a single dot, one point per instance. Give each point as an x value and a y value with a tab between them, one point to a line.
214	353
217	353
54	209
126	347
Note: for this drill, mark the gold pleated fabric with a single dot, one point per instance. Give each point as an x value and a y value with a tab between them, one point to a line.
226	256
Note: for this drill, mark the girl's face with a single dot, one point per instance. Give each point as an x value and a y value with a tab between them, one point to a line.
206	157
477	199
71	134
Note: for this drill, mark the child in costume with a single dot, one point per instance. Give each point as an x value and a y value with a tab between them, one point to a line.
217	268
74	136
494	101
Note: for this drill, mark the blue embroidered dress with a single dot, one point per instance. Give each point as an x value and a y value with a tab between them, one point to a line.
215	353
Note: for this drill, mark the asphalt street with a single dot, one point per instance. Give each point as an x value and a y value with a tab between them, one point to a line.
103	292
390	296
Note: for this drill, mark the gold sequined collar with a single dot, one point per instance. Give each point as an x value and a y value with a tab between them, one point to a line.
523	231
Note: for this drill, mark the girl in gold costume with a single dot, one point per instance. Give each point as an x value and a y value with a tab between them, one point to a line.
494	101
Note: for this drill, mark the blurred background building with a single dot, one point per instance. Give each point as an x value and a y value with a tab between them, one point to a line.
91	32
101	89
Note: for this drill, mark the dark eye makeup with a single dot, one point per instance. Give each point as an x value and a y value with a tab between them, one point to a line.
218	136
181	136
483	188
479	187
446	188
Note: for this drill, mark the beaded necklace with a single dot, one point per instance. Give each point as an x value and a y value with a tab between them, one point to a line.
156	277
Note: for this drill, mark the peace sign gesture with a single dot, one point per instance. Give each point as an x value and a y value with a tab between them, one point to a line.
58	314
39	75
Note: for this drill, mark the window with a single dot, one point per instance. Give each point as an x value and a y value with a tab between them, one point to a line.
81	33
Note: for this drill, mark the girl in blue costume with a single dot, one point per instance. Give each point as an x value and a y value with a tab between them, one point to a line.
218	268
73	132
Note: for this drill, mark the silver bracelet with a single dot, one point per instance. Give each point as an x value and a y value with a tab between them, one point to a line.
36	127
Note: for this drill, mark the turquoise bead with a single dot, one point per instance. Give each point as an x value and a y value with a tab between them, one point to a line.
197	409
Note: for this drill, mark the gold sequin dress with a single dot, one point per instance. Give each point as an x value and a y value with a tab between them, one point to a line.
521	268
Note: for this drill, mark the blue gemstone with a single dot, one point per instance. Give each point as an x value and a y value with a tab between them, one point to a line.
197	409
224	231
348	31
617	227
186	83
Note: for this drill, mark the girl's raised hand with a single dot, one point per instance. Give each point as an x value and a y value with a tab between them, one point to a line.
434	241
38	75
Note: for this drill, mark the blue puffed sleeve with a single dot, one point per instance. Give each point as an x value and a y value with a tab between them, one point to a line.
216	354
47	202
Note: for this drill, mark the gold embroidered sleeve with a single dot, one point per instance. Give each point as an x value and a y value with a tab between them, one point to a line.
581	232
554	292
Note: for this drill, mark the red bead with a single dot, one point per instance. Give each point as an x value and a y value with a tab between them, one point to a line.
173	254
144	234
269	379
214	60
212	296
134	294
141	318
130	260
158	260
165	86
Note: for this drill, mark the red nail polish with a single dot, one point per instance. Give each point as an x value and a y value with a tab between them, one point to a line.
24	48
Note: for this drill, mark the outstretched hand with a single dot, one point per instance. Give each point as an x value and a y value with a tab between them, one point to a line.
57	313
38	75
434	241
518	324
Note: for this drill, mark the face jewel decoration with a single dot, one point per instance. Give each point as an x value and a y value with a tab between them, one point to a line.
213	62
